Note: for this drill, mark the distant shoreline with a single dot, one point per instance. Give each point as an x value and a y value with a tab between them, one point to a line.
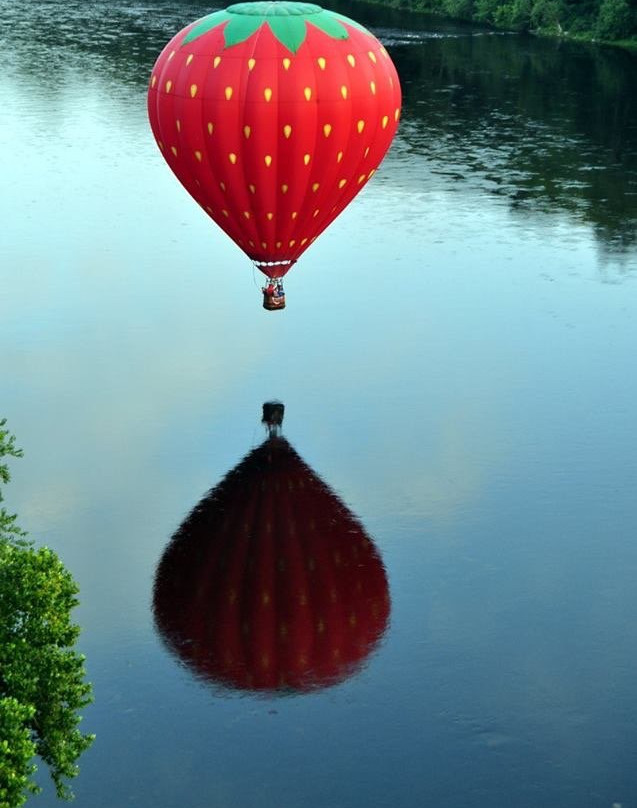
611	23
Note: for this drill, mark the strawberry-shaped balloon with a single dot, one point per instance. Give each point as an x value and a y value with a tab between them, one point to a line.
274	115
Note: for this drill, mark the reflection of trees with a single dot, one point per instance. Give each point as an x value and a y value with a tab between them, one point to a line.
116	41
547	125
271	584
41	676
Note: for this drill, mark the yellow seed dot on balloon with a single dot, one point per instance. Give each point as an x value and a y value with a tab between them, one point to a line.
286	63
342	183
216	61
228	93
269	216
385	121
284	189
294	214
344	91
160	144
303	241
193	90
321	62
351	59
372	87
211	128
339	157
153	81
222	185
225	212
251	64
306	158
191	56
251	243
383	50
360	126
307	92
246	132
169	85
208	208
267	93
173	149
232	157
391	82
252	188
268	160
361	178
371	173
315	187
372	56
198	155
366	152
246	213
397	114
278	245
292	242
327	128
170	56
287	130
316	213
178	125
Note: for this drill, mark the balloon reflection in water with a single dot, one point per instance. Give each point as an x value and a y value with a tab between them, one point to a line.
271	584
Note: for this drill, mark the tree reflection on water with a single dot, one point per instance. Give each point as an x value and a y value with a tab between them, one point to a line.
548	126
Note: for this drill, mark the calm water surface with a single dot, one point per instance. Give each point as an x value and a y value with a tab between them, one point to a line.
457	362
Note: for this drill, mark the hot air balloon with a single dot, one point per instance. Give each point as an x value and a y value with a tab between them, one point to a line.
271	584
273	116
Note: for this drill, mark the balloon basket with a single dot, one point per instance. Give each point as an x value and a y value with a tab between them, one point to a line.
273	297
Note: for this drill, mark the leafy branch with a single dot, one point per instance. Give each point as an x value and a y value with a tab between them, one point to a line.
42	677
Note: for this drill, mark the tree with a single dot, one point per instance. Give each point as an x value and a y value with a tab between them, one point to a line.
546	14
42	677
513	14
614	21
459	8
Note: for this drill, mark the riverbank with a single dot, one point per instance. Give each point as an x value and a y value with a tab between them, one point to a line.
603	22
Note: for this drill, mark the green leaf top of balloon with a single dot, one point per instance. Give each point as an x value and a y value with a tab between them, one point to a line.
287	20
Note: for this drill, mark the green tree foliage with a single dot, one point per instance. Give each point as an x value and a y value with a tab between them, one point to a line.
42	683
608	20
8	526
614	19
514	14
547	15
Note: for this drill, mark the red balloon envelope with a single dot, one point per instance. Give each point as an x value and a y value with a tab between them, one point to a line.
274	115
271	584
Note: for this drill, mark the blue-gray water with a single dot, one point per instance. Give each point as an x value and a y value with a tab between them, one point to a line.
457	361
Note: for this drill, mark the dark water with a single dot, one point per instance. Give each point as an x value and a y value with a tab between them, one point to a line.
457	362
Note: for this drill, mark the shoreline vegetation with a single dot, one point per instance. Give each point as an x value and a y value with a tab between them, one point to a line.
42	676
605	22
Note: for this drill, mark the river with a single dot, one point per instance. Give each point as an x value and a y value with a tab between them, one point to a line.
457	365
